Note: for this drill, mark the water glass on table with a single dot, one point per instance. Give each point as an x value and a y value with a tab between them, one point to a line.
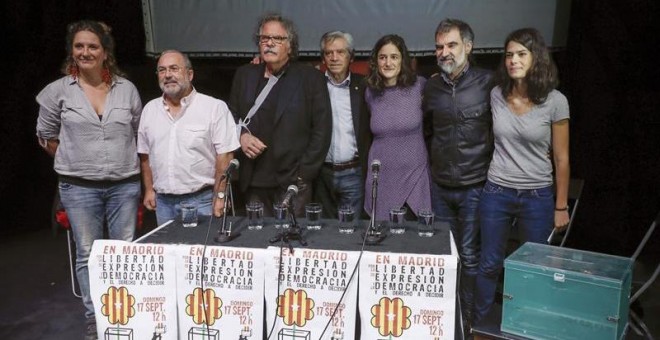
280	212
398	220
425	223
346	215
313	215
189	215
255	215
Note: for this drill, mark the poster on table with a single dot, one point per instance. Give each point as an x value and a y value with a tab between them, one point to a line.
311	284
133	287
407	296
220	292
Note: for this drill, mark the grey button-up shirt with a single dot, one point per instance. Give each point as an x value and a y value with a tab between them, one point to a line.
91	148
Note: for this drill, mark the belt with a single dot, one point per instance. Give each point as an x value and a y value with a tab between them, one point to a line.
97	184
199	191
353	163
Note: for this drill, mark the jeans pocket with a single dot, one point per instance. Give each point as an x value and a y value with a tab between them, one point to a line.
64	186
491	188
476	192
543	192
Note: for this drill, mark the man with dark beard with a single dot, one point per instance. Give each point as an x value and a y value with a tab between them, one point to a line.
458	124
185	142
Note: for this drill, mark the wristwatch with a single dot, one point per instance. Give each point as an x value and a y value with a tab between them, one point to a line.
221	195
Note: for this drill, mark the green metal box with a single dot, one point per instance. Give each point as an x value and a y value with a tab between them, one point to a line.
560	293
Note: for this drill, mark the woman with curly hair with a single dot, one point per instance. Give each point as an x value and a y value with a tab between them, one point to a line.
530	125
394	99
88	121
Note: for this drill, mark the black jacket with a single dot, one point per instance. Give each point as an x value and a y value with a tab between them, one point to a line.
303	121
458	127
361	120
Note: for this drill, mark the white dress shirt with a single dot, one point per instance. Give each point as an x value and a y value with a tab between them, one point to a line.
182	151
343	146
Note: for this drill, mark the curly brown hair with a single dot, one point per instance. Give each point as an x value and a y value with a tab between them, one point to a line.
103	32
406	77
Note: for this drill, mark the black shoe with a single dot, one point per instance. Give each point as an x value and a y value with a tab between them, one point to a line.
90	331
467	325
467	330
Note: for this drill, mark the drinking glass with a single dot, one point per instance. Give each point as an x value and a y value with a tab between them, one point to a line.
313	214
280	212
346	216
425	223
397	220
255	215
189	215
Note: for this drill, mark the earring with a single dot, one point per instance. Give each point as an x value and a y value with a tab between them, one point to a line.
105	75
72	70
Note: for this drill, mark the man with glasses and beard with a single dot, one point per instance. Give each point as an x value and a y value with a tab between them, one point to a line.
185	143
285	122
458	125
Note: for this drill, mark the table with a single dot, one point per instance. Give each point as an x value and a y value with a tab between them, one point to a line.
407	283
326	238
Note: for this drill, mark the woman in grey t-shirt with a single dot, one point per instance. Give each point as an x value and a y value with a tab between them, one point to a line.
530	125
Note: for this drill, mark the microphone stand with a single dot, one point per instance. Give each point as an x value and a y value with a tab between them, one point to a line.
231	199
373	235
224	233
293	233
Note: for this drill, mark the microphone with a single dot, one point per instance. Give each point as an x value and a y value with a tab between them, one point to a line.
375	167
373	234
291	192
224	233
233	165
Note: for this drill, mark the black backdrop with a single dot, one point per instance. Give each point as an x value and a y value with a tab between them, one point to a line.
607	71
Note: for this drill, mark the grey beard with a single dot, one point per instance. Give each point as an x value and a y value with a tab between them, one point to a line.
447	68
176	94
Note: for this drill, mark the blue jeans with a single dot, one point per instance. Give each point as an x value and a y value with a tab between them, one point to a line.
459	207
88	208
168	206
533	212
337	188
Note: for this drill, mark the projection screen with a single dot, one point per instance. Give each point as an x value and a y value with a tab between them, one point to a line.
224	28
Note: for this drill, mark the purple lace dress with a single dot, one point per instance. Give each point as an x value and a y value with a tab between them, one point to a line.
396	124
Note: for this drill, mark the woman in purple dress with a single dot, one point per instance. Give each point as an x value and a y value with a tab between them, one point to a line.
394	98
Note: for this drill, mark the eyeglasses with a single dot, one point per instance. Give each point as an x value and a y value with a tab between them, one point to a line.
277	39
173	69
